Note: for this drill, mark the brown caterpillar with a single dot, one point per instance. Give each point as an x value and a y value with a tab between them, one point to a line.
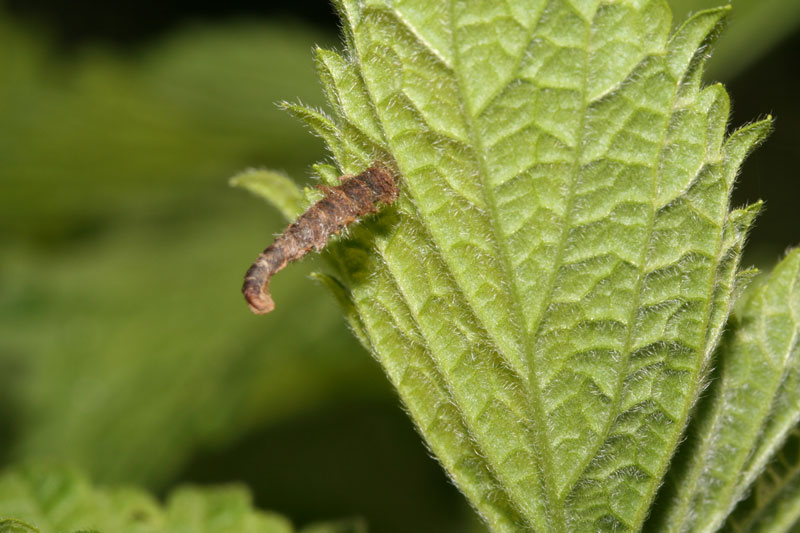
354	197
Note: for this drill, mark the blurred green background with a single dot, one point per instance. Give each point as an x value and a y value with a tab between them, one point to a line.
125	346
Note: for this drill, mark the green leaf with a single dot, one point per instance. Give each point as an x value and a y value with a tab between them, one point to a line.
63	500
15	526
548	291
732	438
75	332
774	505
273	186
121	323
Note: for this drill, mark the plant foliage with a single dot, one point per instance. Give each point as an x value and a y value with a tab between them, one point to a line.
110	173
63	500
47	499
548	294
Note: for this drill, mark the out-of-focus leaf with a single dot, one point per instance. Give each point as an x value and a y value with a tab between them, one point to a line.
62	500
141	340
97	137
15	526
346	526
122	328
755	27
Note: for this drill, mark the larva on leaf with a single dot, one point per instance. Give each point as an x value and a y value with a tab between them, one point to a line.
342	205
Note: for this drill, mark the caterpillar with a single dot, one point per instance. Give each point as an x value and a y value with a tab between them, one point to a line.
354	197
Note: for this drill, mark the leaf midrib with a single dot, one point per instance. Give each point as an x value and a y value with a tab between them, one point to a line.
537	420
474	138
476	441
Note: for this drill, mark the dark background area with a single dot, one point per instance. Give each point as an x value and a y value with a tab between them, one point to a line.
132	23
771	173
356	453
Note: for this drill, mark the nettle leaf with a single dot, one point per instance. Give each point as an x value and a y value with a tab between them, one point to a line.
548	291
38	498
774	505
752	404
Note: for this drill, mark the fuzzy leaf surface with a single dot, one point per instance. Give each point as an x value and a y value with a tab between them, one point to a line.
547	292
755	388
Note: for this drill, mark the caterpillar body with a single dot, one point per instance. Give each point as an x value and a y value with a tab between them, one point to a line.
342	205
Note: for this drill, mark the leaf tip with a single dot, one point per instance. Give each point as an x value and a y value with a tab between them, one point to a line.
688	45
